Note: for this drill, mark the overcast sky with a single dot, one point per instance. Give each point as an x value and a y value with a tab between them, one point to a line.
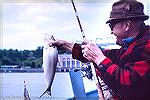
24	23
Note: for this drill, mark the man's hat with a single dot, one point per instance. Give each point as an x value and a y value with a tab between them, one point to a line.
127	9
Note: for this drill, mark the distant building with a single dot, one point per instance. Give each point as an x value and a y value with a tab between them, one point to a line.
107	42
65	61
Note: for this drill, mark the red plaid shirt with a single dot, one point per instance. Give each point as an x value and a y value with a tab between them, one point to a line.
126	70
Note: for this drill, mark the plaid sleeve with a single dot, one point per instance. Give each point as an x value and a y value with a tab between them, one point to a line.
114	54
130	77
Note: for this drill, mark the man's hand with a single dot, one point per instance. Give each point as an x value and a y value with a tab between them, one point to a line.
92	52
58	43
62	44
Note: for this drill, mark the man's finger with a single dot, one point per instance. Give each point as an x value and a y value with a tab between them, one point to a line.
84	50
83	46
51	42
85	41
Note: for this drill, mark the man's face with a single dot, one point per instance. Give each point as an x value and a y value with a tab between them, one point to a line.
118	29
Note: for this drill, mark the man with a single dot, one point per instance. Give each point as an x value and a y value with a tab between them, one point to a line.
126	70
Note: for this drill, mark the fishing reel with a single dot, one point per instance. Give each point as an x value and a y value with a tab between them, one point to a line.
86	71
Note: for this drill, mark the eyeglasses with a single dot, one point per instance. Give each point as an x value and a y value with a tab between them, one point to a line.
113	23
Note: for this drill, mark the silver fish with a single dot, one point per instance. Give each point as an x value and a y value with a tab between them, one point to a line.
50	59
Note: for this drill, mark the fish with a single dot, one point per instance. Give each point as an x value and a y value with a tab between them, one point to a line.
50	59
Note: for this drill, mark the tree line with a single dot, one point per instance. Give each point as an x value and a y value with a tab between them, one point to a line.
31	58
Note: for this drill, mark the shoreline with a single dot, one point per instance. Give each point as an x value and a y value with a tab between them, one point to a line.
27	70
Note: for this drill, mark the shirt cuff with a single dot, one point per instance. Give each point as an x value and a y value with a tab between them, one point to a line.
77	53
104	64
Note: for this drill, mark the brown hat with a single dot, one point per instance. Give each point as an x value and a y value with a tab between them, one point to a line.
127	9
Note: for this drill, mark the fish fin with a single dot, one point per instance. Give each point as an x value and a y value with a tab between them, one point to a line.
43	93
46	91
49	93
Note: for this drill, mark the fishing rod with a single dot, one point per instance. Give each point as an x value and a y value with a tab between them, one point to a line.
76	13
99	88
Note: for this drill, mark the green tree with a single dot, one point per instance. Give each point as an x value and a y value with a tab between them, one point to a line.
38	52
32	64
6	61
39	66
24	57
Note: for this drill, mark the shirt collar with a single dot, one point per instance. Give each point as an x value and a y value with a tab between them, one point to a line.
128	41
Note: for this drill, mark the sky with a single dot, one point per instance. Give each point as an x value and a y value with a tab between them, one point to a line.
24	23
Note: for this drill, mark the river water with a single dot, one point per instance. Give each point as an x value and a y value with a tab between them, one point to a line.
12	86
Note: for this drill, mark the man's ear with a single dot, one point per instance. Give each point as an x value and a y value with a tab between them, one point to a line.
128	25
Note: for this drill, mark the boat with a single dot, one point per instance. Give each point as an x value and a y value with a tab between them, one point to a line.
79	89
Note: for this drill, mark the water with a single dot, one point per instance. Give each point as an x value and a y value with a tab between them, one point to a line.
12	86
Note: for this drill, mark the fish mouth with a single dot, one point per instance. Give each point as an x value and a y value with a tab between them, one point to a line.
52	37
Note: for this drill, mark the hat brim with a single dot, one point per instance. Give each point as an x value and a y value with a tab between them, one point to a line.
142	17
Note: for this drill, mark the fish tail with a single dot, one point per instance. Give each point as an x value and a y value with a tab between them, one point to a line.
46	91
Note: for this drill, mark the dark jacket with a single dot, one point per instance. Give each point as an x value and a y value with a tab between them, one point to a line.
126	70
